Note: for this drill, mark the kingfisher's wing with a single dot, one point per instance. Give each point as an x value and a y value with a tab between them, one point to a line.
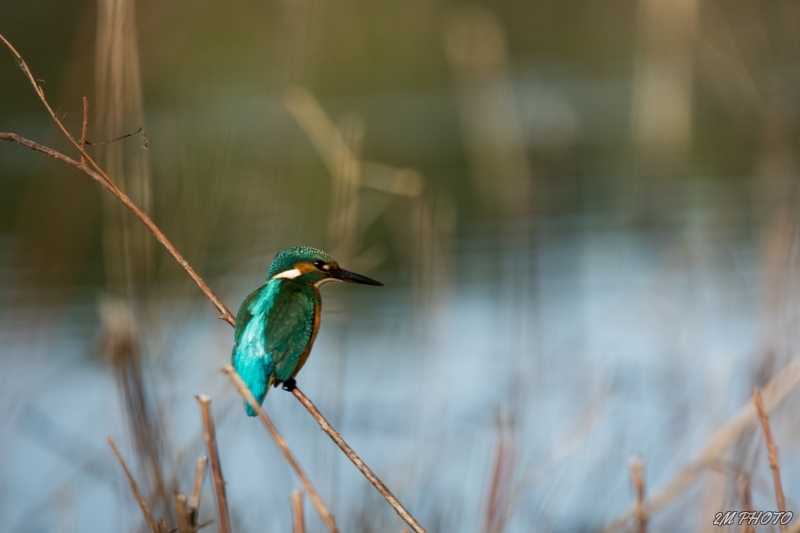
248	357
274	327
289	326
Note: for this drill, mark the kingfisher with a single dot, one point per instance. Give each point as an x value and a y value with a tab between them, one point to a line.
277	323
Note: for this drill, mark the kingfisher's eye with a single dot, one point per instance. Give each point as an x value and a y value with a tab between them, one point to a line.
318	264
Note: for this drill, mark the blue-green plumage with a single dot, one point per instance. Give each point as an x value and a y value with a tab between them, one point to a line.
277	323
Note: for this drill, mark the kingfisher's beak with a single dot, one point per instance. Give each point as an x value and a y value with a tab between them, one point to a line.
352	277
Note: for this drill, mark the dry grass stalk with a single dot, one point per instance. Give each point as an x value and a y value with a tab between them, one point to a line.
298	525
775	392
123	348
94	171
743	483
499	492
780	499
326	516
475	45
210	437
127	249
84	127
134	487
197	493
637	480
184	520
348	451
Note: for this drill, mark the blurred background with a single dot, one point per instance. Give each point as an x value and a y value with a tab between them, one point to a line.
585	215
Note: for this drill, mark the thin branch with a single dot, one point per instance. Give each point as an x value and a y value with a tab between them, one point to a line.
85	127
115	139
127	202
40	93
209	435
348	451
197	493
13	137
780	499
134	487
637	480
298	524
326	516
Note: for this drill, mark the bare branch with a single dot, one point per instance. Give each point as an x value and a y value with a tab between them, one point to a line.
326	516
134	487
348	451
40	93
127	202
209	435
780	499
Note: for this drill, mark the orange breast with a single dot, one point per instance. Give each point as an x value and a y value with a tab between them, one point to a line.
304	356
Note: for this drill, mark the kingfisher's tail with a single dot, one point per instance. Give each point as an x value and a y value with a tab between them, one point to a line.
249	409
259	398
255	373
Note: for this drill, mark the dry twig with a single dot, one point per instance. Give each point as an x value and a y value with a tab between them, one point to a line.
127	202
134	487
326	516
209	435
780	499
40	92
298	525
115	139
348	451
637	480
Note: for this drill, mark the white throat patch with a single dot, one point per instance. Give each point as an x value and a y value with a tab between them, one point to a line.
323	281
287	274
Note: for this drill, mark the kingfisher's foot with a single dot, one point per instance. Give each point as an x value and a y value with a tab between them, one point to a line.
290	384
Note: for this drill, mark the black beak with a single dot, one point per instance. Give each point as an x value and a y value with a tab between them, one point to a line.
352	277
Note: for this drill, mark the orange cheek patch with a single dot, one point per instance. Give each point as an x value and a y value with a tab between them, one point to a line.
304	267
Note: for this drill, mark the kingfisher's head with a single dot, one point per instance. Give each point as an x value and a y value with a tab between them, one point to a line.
311	266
